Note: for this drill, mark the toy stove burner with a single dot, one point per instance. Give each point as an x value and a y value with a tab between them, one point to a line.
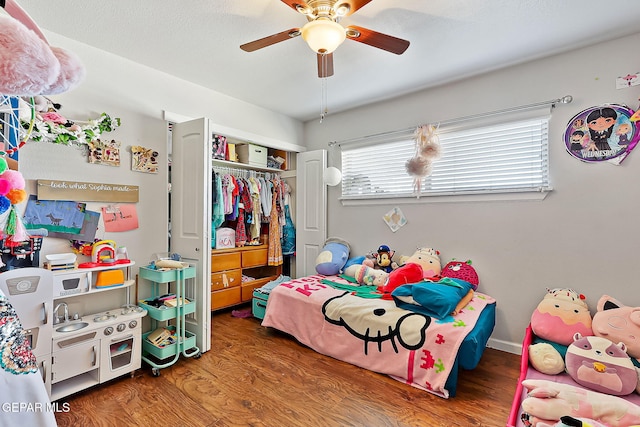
104	317
131	309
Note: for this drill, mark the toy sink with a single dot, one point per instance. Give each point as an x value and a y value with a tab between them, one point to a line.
109	279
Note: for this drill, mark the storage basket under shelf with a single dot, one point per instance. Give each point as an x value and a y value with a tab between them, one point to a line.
171	349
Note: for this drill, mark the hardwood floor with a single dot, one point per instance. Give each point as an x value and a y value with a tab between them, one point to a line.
255	376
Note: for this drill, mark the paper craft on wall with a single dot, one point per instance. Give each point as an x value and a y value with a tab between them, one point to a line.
87	232
122	217
604	133
104	152
54	215
395	219
144	159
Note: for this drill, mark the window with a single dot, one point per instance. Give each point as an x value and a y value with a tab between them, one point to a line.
505	157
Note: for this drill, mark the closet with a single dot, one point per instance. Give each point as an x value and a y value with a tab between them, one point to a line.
250	226
192	175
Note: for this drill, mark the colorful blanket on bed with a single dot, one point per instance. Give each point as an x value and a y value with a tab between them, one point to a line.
372	333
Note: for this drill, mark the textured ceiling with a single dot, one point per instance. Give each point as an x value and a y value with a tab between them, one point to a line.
198	41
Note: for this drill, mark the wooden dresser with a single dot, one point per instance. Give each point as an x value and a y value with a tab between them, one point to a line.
227	268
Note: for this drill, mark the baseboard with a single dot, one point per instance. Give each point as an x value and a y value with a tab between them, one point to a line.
507	346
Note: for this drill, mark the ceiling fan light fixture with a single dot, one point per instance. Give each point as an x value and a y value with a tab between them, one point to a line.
323	35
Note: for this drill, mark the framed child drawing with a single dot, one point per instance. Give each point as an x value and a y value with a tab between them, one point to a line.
603	133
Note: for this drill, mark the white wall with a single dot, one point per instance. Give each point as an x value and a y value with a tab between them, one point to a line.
584	235
138	95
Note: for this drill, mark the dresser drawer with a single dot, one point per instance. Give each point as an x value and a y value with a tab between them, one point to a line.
225	298
225	261
255	258
226	279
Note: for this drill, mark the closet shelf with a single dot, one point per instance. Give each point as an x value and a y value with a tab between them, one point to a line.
238	165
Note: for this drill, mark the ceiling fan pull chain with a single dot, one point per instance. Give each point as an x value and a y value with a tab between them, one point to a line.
323	93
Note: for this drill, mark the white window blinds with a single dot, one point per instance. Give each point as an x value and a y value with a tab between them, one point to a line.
505	157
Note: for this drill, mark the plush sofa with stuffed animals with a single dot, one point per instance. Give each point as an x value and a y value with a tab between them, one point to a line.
575	366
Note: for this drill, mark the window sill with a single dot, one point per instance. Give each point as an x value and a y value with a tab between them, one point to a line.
459	198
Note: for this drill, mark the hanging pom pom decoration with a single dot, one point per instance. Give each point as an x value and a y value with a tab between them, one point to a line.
15	178
11	224
16	196
427	151
3	165
5	204
5	187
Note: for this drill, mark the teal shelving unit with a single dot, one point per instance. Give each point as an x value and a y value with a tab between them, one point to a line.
172	318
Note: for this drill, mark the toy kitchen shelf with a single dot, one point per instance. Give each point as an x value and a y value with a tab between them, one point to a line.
81	281
166	354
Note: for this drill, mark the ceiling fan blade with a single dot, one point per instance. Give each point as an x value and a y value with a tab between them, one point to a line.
325	65
353	5
293	4
269	40
376	39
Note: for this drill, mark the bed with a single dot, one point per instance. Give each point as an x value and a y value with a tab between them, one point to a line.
355	325
23	397
527	372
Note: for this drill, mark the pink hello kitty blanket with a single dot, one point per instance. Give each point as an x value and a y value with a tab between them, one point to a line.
376	334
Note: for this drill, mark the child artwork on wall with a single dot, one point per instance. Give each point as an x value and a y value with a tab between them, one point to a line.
144	159
104	153
54	215
121	217
88	231
395	219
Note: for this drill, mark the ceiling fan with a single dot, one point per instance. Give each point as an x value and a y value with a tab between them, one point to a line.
324	34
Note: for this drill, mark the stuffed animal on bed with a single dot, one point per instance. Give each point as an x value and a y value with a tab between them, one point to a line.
574	422
599	364
561	313
461	270
548	401
618	323
365	275
423	264
331	260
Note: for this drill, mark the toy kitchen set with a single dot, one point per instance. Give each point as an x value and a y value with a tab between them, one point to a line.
79	318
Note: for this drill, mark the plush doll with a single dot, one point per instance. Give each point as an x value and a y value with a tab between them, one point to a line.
366	275
618	323
561	313
383	260
461	270
547	402
424	263
331	260
567	421
599	364
428	259
408	273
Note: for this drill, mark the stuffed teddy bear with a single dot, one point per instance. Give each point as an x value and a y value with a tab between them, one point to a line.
331	260
561	313
599	364
547	402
